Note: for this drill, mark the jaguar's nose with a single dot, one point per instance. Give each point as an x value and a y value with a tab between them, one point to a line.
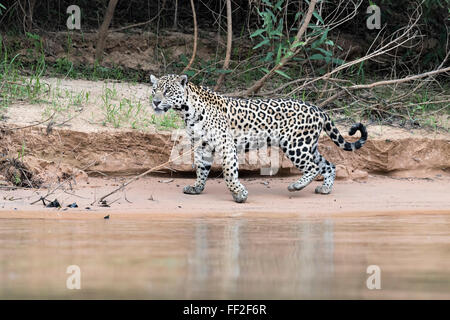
156	102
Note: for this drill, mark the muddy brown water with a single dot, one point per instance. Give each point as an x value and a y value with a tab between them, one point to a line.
271	257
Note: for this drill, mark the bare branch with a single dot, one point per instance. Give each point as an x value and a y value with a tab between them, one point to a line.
383	83
194	51
229	41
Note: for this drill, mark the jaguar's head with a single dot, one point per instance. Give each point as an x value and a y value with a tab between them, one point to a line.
168	92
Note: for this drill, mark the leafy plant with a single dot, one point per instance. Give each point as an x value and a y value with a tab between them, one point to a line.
280	45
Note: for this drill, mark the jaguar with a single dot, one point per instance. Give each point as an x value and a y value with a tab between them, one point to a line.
219	124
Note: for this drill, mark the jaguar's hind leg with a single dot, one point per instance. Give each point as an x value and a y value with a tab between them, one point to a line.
328	171
309	168
308	176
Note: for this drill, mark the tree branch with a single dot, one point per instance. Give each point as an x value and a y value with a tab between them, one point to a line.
194	51
229	41
382	83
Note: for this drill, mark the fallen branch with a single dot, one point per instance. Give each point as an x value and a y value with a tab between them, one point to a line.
194	51
33	125
146	172
136	178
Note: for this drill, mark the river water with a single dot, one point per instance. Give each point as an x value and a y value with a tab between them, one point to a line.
247	256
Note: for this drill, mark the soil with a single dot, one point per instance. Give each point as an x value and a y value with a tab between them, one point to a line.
132	50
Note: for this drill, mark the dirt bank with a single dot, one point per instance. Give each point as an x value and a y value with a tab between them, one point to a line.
134	51
129	152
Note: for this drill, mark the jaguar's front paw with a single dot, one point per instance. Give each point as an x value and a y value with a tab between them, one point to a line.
241	196
323	190
193	189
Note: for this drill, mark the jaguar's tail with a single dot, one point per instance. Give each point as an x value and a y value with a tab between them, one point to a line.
339	140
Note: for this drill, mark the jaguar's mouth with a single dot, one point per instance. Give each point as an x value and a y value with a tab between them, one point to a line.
161	108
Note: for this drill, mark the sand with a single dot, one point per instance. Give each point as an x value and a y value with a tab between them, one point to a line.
160	196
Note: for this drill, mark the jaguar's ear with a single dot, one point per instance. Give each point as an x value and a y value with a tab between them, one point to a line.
153	80
183	80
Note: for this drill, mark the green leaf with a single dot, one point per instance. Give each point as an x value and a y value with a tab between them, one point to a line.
289	54
275	33
269	57
278	5
257	33
272	15
324	36
325	52
338	61
316	56
265	70
223	71
315	44
283	74
318	17
280	25
190	73
264	42
298	44
278	58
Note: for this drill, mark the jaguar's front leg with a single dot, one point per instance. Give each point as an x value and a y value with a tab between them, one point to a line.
230	172
203	159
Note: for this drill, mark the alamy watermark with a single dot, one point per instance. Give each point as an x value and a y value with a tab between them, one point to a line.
74	280
374	280
258	143
74	20
374	20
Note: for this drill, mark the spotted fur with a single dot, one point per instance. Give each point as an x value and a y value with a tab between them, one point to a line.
227	125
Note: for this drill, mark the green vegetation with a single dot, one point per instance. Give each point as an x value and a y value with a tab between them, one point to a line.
17	86
13	85
126	112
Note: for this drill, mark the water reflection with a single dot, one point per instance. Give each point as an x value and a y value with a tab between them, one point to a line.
240	257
